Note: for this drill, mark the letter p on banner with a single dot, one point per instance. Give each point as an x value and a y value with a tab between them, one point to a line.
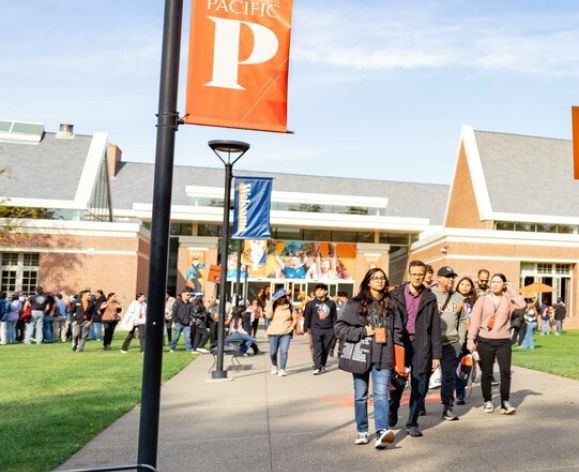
238	64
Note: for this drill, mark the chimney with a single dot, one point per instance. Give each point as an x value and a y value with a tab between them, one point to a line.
114	154
66	131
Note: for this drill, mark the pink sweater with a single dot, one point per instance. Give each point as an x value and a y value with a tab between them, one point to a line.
484	309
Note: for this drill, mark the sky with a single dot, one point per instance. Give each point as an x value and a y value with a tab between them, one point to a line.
377	89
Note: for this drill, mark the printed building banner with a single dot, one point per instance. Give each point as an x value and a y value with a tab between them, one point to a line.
251	208
296	260
238	64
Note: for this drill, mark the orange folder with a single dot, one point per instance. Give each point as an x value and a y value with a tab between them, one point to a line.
400	360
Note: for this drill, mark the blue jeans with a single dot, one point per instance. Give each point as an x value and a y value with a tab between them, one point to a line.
47	329
545	327
247	341
11	331
96	330
36	323
529	341
559	327
186	329
380	383
281	343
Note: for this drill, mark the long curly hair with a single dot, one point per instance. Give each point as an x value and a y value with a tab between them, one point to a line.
365	298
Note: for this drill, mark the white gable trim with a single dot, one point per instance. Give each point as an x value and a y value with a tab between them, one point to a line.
477	176
90	171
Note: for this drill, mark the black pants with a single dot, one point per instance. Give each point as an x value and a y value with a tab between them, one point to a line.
522	333
322	340
169	326
448	365
489	350
141	333
254	326
109	332
246	323
199	336
419	388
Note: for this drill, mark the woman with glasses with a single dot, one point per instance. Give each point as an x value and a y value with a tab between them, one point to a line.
489	336
372	314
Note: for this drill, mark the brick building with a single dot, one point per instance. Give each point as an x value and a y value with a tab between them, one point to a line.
510	208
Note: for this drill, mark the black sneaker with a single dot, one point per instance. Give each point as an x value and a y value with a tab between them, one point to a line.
414	432
448	415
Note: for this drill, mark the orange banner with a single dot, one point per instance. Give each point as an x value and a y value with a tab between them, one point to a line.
575	126
238	64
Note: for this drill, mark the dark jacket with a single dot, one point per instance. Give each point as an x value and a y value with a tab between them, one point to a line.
351	327
97	318
79	314
182	312
427	345
560	312
312	318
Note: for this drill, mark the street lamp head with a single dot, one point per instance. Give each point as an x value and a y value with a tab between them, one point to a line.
228	148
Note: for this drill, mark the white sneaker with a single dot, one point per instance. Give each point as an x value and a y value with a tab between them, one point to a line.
123	352
202	350
282	373
273	370
384	438
361	438
316	372
489	407
507	409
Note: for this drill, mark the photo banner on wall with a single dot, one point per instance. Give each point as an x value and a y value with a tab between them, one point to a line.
238	64
251	207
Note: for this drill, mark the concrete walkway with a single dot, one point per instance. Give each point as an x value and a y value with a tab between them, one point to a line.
260	422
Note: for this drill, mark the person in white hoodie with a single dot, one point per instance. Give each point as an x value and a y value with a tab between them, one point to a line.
137	313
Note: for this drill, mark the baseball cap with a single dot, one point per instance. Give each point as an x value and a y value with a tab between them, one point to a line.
280	293
446	271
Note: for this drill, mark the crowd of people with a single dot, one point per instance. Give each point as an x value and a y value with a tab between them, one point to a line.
390	335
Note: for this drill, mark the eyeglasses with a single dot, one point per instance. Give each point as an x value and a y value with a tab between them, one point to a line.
378	279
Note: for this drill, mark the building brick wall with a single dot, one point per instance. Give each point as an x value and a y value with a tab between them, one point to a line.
462	208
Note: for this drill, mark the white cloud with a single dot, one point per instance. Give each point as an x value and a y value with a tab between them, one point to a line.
403	38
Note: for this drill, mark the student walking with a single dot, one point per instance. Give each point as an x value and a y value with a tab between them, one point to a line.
489	336
453	336
530	320
137	313
560	313
110	311
320	315
372	316
419	310
81	312
282	322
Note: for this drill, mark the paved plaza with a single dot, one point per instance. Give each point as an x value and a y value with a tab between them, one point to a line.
260	422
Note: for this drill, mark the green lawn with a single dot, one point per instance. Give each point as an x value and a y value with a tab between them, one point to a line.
53	401
557	355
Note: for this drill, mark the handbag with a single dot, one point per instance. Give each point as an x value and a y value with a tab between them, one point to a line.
356	357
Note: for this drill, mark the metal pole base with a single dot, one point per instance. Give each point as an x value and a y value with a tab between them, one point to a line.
219	374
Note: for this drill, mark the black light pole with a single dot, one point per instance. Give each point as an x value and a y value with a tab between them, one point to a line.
238	149
167	122
238	273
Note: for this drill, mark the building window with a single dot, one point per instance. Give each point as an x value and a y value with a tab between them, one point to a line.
19	272
209	230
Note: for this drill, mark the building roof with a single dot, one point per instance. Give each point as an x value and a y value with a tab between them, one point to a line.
50	169
528	175
134	184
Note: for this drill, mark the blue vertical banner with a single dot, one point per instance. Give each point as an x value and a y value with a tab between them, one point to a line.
251	207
